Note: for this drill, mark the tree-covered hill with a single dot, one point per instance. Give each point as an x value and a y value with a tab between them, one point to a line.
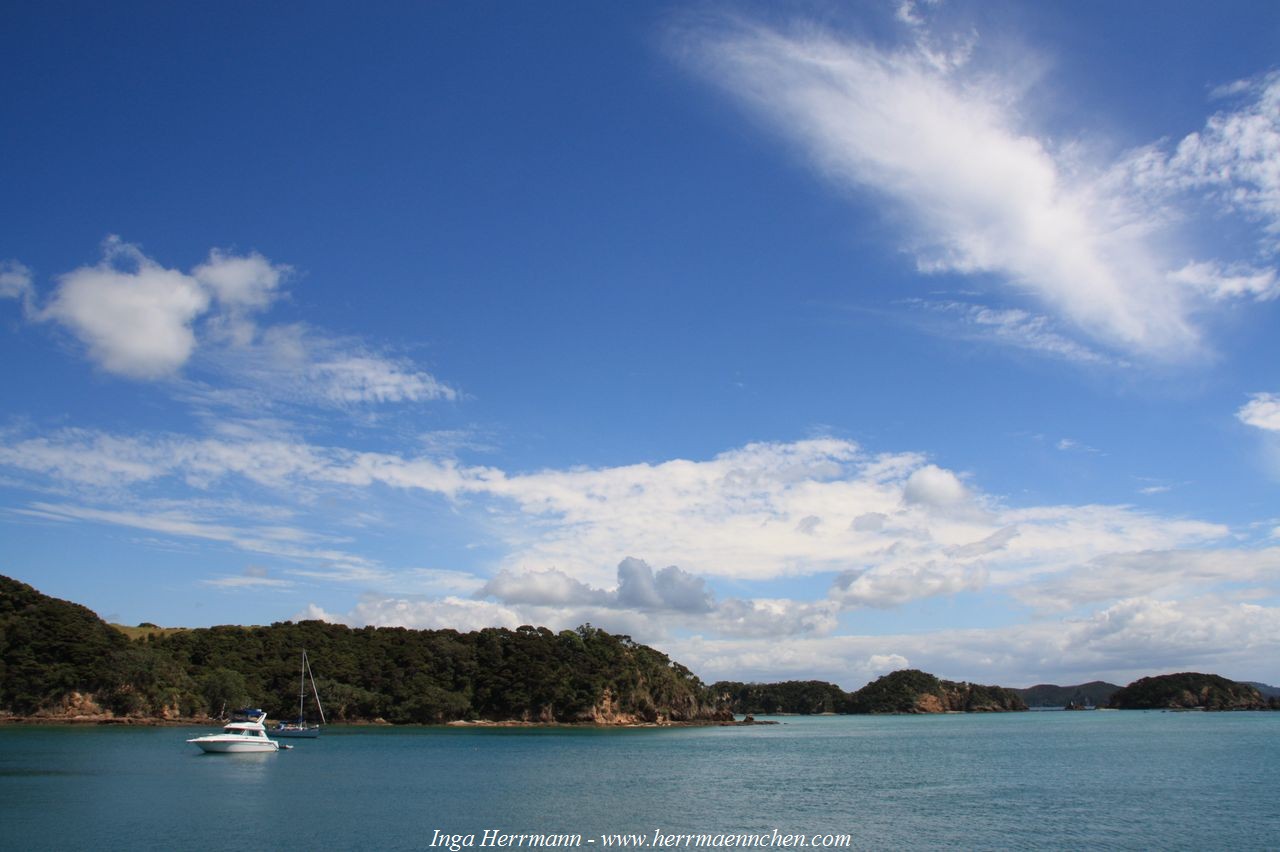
914	691
1095	693
803	697
59	659
1190	690
906	691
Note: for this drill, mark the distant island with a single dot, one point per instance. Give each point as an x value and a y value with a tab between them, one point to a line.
60	662
905	691
1191	691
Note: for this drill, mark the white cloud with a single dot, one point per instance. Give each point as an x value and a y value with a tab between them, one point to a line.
896	522
1129	639
1014	328
1146	573
1261	411
1234	157
250	282
1220	282
134	315
978	192
302	365
15	283
932	486
144	321
981	193
544	588
295	545
451	612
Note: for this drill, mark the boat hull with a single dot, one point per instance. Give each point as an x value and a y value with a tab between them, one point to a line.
234	745
296	733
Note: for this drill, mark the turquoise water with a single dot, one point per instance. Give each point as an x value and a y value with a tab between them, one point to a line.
1124	780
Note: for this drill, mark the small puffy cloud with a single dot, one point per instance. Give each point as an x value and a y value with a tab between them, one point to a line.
142	320
134	315
1261	411
15	283
934	487
669	589
250	282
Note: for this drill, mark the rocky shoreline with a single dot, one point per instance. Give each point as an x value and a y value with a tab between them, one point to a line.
204	721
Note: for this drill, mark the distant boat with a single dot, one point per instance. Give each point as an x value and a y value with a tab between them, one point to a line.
238	737
300	728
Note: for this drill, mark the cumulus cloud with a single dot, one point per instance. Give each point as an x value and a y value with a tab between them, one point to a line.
1262	411
134	315
888	524
932	486
895	530
144	321
545	588
669	589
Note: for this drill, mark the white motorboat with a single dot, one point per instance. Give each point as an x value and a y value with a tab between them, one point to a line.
237	738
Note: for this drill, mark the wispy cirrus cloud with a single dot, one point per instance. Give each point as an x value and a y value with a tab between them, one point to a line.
979	192
1014	328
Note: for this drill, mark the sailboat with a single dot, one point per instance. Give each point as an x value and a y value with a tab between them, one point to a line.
300	728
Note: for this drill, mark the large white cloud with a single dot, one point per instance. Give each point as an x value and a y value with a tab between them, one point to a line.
1131	638
869	531
978	191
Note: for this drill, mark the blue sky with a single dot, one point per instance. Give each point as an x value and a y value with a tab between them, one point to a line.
807	340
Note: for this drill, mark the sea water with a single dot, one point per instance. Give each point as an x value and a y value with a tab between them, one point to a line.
1101	780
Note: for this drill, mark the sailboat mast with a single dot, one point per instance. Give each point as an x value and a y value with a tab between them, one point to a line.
314	691
302	687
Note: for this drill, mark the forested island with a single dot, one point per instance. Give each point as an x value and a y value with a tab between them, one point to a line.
905	691
60	661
